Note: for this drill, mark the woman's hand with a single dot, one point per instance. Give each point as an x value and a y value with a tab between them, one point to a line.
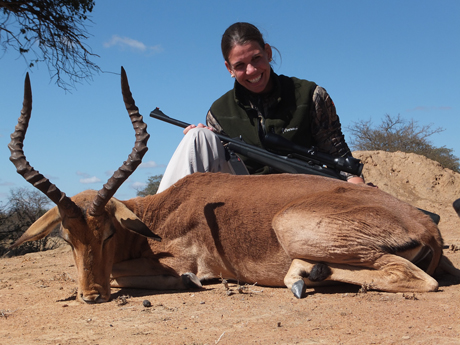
200	125
356	180
359	180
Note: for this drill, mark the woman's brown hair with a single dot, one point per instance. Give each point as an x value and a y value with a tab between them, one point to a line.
239	34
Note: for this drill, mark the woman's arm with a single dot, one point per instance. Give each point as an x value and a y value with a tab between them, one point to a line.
327	130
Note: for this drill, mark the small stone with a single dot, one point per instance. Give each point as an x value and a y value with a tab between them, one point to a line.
146	303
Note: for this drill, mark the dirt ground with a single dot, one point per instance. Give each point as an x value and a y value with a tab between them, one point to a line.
38	306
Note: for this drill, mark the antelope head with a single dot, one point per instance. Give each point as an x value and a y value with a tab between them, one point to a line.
91	222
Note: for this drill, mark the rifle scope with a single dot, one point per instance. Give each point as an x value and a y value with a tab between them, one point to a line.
284	146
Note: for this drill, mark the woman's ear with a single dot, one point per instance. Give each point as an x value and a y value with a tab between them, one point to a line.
229	69
268	51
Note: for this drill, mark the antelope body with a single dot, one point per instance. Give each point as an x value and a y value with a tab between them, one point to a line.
276	230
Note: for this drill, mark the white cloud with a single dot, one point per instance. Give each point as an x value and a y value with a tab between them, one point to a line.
126	42
89	180
138	185
149	164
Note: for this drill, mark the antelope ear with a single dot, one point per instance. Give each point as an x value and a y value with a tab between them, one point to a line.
41	228
130	221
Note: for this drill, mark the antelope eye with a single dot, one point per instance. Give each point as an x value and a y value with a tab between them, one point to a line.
108	238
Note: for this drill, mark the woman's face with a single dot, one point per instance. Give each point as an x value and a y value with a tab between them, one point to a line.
250	65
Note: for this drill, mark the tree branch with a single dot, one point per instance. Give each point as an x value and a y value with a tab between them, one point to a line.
54	32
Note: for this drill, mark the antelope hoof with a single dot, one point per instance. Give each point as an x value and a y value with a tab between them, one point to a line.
298	289
191	281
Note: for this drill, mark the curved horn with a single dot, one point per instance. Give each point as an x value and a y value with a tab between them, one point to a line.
22	165
134	159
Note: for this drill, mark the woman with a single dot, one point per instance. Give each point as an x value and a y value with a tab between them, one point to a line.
260	102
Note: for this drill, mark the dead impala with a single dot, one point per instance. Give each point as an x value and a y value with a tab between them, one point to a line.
276	230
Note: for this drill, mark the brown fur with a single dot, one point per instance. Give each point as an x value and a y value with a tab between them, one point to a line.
269	230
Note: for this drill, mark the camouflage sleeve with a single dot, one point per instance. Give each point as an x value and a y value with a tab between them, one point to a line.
213	123
326	128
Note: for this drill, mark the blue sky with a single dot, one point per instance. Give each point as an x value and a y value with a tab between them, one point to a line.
373	57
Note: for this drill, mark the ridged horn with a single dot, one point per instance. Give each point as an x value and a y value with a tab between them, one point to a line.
134	159
22	165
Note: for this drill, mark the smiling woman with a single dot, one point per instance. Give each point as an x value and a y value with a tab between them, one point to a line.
249	64
261	102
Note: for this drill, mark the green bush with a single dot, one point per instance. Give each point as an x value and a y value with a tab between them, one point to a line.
397	134
152	186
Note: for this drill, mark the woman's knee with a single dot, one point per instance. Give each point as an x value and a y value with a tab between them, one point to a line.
201	134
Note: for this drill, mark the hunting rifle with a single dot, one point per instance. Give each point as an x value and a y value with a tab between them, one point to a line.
298	159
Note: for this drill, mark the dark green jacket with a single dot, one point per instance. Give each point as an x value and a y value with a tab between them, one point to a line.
289	111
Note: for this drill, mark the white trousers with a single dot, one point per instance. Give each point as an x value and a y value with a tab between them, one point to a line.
199	151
